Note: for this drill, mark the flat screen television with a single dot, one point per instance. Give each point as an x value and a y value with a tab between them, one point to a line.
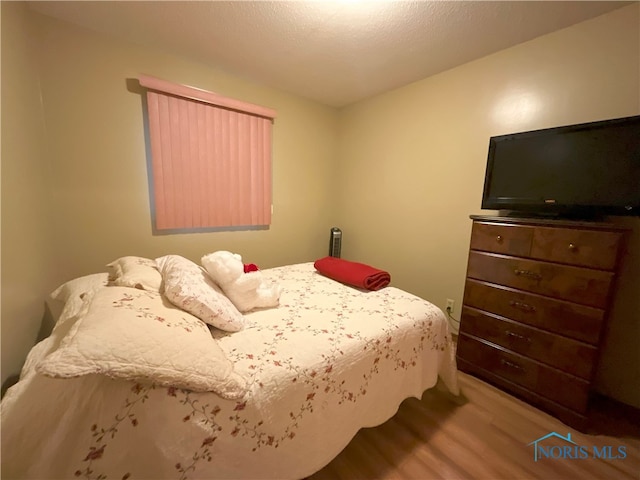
583	171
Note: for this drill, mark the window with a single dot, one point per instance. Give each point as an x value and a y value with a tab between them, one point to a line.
210	158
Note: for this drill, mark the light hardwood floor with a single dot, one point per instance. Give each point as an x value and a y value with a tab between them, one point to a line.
483	434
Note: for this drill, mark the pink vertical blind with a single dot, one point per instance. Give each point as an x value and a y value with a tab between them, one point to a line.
211	158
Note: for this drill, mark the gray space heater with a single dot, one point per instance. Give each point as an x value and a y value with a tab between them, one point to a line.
335	242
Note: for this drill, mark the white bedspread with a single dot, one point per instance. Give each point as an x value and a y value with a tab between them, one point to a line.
328	361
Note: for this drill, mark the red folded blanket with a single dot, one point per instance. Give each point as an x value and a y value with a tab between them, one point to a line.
352	273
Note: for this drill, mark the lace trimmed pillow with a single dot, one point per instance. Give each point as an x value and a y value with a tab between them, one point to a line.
138	335
69	296
189	287
135	272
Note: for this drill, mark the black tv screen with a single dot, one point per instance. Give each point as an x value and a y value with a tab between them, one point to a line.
589	169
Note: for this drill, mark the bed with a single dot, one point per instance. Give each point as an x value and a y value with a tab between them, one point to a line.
305	377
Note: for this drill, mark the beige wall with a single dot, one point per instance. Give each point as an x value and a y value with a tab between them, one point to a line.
97	147
412	161
96	189
28	261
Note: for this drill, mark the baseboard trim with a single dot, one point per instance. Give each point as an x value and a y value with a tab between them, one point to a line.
604	409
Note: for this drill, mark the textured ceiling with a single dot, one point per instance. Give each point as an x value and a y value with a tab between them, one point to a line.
333	52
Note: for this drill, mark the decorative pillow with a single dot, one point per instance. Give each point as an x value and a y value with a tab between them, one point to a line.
138	335
71	293
135	272
189	287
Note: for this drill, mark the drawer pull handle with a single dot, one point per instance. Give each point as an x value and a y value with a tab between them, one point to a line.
518	336
528	274
572	247
509	364
522	306
499	239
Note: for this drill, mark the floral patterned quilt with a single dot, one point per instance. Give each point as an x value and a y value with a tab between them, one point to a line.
328	361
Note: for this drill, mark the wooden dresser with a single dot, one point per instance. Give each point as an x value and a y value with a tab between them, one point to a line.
536	302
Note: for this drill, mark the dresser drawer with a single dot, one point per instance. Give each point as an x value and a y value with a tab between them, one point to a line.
509	239
576	284
553	384
568	319
576	420
563	353
587	248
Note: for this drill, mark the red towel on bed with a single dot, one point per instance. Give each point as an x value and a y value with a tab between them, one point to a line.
352	273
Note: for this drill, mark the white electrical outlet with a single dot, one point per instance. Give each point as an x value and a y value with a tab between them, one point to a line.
450	304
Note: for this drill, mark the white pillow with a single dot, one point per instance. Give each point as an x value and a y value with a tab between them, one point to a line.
135	272
138	335
189	287
71	293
